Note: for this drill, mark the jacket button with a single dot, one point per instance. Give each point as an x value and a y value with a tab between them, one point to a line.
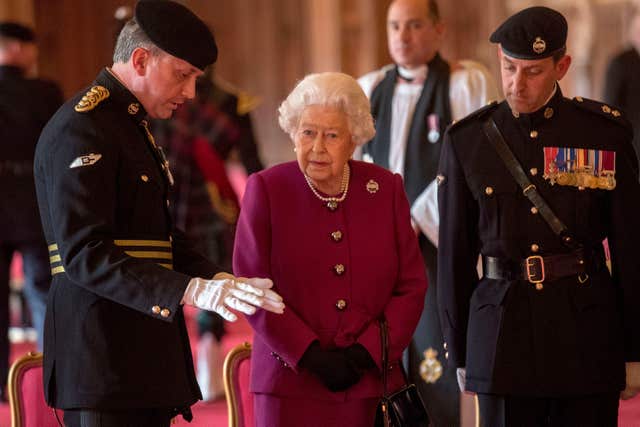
165	312
444	345
341	304
155	309
144	178
336	236
535	248
339	269
533	171
488	191
534	210
533	134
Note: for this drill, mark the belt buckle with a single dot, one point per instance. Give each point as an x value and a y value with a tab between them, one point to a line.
533	276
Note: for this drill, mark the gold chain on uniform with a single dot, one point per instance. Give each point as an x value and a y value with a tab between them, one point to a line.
165	164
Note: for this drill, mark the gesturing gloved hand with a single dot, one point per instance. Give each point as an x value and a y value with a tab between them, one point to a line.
225	291
332	367
633	381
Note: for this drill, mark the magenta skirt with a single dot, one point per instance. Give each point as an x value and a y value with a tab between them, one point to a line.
275	411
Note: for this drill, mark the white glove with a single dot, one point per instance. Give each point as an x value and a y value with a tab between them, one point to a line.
633	381
225	291
461	374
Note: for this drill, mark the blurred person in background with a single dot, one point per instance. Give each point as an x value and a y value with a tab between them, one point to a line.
26	104
203	136
622	80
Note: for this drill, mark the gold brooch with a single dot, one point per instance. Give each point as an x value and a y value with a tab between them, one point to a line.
93	97
430	367
539	46
372	186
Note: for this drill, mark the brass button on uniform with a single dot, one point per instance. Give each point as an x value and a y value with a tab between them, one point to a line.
444	345
336	236
548	113
533	134
488	191
534	210
616	113
341	304
155	309
606	108
535	248
533	171
339	269
144	178
168	203
165	312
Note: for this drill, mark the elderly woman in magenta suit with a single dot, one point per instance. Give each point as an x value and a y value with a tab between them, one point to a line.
335	237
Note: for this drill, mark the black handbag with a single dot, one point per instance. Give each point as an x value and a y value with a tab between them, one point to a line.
402	408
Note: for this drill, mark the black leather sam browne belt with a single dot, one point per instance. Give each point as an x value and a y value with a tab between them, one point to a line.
537	269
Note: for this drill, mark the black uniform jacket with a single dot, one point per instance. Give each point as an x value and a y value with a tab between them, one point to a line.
569	338
115	334
25	107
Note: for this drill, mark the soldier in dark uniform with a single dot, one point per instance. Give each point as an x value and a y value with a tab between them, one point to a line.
26	104
545	333
116	346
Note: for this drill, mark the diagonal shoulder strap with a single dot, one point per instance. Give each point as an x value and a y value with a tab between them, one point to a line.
528	189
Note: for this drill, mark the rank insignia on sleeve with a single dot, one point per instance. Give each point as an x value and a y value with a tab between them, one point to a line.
93	97
88	160
430	367
580	167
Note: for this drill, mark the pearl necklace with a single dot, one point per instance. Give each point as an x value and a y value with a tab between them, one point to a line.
332	202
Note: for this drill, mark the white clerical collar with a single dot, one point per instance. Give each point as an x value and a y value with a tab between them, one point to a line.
418	73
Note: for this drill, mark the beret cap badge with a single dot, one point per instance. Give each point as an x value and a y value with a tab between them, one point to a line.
539	45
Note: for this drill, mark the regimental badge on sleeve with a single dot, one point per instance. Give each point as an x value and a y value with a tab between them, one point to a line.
580	167
86	160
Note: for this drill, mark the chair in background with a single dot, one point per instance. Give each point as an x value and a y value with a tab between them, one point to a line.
236	373
26	394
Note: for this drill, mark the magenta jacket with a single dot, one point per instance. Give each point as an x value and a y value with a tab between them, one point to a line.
287	234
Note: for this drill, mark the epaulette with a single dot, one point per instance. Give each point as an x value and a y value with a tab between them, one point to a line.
246	102
93	97
601	109
476	114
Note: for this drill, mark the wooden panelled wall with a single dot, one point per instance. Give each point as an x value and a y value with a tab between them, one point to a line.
268	45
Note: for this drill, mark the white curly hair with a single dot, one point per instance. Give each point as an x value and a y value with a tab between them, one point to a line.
329	89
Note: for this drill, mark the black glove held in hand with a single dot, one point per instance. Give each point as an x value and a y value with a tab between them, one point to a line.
332	367
359	358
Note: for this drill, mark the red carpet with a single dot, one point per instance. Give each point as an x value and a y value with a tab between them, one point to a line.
215	414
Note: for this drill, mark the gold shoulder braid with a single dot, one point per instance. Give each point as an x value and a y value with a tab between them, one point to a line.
94	96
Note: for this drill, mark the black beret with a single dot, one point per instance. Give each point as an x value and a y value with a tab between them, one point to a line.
533	33
178	31
13	30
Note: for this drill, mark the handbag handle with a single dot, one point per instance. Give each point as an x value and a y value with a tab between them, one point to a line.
384	341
